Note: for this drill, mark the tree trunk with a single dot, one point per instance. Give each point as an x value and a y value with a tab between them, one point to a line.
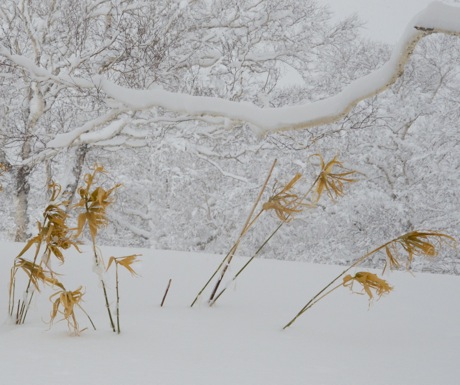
21	203
76	171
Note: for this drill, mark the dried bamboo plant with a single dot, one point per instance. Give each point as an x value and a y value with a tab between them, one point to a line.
54	236
332	178
52	239
125	262
285	203
92	206
399	251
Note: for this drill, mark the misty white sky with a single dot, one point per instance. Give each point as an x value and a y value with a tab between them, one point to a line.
371	11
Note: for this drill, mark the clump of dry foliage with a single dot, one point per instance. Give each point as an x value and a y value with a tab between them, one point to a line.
285	201
54	237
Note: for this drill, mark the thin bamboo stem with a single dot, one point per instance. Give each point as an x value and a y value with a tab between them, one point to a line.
87	315
319	295
246	228
248	224
248	262
118	297
21	316
212	302
166	293
97	262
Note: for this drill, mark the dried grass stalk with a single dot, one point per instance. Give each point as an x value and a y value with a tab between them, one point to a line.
250	221
93	205
407	246
36	273
125	262
286	202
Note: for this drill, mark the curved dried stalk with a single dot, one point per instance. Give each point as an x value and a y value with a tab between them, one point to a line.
406	246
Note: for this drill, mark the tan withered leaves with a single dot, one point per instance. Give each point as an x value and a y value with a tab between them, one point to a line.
333	178
35	273
285	202
94	204
416	243
126	262
64	303
370	283
54	231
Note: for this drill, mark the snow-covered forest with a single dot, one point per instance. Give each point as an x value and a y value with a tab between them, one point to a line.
143	140
186	104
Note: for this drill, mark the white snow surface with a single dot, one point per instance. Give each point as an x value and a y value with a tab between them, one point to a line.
410	337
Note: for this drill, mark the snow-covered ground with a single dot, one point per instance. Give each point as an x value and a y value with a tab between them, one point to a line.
410	337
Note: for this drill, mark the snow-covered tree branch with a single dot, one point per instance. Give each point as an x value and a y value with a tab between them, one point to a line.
436	18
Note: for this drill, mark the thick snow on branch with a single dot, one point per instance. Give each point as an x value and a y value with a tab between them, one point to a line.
436	18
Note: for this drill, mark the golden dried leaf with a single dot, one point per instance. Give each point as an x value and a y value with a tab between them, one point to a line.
111	259
369	282
36	273
419	243
94	203
64	303
126	262
55	232
285	203
392	257
333	182
37	239
55	190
